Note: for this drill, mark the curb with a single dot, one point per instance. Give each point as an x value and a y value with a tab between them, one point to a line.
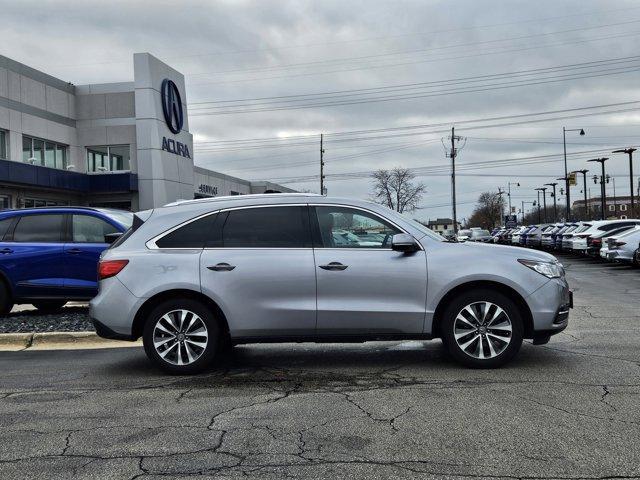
59	341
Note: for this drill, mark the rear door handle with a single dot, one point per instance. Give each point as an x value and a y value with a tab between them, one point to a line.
334	266
222	267
6	250
74	251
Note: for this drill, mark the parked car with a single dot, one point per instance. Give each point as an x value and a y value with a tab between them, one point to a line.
534	235
194	276
547	240
463	235
515	238
563	242
622	248
579	241
479	235
49	256
608	241
596	241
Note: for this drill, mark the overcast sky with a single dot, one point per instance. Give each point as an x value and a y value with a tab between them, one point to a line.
244	50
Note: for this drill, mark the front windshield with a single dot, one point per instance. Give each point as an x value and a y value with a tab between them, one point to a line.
123	218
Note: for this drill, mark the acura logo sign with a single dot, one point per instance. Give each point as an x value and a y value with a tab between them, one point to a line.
172	105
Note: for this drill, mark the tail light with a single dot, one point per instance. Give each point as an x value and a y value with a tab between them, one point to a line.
110	268
596	241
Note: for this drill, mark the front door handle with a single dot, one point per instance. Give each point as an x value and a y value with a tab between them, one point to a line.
334	266
222	267
6	250
74	251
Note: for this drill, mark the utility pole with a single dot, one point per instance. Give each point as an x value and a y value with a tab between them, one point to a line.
629	151
539	217
615	200
555	208
453	154
603	193
517	184
566	173
500	193
322	187
544	199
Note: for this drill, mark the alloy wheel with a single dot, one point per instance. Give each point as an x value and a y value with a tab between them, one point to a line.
482	330
180	337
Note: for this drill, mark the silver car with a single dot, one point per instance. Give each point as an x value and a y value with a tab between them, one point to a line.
195	277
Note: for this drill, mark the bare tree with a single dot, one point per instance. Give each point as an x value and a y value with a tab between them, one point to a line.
396	189
488	211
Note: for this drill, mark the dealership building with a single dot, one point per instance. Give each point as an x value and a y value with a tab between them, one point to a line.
120	145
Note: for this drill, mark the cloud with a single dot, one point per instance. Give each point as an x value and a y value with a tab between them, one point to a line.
232	50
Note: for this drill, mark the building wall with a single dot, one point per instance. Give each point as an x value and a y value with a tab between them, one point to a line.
35	104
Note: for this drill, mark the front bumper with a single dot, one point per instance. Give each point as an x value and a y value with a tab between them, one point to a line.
550	306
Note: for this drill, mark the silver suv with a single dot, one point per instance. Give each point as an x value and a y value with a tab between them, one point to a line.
195	277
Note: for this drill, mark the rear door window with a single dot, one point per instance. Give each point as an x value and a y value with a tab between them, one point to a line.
90	229
39	228
4	226
266	227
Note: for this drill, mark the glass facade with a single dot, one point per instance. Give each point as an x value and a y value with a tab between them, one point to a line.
112	158
43	153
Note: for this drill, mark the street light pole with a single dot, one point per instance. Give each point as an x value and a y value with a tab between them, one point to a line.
586	207
629	151
603	193
517	184
539	217
555	208
566	173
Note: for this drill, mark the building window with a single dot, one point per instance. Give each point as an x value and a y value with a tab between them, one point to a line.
44	153
623	217
3	144
612	208
41	202
112	158
5	202
623	207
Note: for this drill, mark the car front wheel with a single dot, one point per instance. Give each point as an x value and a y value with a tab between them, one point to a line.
181	336
482	329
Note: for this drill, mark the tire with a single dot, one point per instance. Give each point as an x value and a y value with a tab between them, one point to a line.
482	347
6	302
49	306
182	349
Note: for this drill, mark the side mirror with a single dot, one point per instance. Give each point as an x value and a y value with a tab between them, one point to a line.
403	242
112	237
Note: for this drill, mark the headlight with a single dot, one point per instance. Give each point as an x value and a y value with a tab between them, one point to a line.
548	269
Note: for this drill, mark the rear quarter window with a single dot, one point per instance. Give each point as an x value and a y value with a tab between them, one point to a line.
192	235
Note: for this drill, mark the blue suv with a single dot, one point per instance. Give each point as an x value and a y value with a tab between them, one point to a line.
49	256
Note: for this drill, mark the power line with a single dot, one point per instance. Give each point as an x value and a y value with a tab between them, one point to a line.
438	93
411	86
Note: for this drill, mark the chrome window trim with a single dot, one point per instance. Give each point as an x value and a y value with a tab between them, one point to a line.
151	244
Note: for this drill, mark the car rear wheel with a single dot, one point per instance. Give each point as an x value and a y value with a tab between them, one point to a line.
49	306
6	302
182	337
482	329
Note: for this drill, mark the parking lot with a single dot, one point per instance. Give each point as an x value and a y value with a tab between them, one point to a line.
568	409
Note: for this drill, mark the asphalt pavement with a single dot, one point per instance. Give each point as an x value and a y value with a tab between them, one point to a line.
569	409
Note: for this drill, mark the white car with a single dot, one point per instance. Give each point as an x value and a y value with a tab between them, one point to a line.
604	250
622	248
515	238
579	241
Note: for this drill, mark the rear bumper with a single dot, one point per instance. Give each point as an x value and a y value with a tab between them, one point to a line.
114	309
105	332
